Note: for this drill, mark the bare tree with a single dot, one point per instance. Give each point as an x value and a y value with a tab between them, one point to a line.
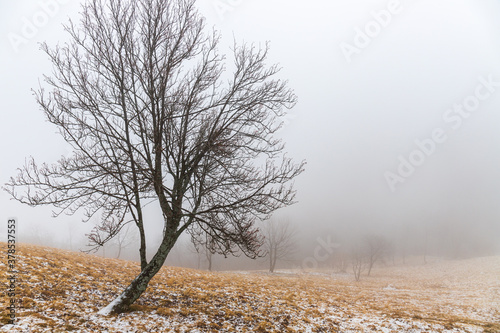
358	261
209	252
376	249
340	261
144	97
124	240
205	245
279	241
194	250
425	242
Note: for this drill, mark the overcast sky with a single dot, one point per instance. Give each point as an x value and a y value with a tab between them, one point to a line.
398	114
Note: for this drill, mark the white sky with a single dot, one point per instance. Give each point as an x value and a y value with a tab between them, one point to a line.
354	119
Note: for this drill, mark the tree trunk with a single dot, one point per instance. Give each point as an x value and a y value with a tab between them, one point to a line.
272	260
209	257
142	249
119	251
370	267
140	283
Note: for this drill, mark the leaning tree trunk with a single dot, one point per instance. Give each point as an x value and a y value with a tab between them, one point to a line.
140	283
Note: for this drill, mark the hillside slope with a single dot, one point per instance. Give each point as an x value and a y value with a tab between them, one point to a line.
61	291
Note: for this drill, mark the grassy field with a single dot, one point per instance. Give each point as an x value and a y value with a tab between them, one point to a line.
61	291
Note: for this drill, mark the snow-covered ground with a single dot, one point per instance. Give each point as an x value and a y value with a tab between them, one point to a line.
62	291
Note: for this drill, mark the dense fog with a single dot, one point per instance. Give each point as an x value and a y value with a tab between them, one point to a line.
398	119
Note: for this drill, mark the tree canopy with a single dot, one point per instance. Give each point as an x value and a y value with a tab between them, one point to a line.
155	112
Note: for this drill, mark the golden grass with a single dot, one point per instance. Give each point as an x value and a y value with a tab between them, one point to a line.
60	291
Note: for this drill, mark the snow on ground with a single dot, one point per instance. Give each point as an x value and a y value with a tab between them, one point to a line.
62	291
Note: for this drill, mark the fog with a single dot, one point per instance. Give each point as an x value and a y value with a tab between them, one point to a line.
398	119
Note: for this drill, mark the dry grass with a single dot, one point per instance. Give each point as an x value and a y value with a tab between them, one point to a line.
60	291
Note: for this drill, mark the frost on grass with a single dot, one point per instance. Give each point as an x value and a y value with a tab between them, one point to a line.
62	291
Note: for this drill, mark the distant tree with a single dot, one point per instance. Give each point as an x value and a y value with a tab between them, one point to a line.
194	249
280	241
340	261
144	97
209	255
426	242
358	261
209	252
205	245
124	240
404	241
38	236
376	249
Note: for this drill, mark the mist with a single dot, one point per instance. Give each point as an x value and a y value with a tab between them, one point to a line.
398	125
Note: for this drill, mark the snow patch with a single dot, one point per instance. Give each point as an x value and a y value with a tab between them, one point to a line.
106	311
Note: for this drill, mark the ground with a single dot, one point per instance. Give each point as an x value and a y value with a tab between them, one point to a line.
61	291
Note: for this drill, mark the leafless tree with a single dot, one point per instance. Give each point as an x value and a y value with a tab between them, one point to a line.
205	245
340	261
425	241
279	241
37	235
376	249
210	256
154	113
192	249
358	260
209	253
124	240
